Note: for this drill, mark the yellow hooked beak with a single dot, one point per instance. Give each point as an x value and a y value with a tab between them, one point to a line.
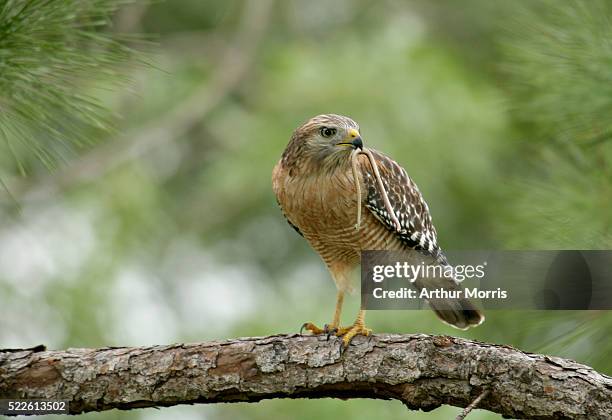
352	139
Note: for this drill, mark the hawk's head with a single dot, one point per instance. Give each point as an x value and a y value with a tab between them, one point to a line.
326	139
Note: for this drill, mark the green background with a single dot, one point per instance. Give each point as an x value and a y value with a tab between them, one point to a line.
166	229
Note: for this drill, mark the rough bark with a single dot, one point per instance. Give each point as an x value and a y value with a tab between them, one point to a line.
422	371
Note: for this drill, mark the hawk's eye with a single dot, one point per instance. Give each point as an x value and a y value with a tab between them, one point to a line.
327	132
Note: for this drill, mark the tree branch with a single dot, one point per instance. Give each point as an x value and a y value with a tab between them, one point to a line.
422	371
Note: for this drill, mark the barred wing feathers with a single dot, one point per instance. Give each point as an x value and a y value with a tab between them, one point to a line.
417	232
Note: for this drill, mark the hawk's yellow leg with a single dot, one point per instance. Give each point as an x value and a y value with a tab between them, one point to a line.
328	328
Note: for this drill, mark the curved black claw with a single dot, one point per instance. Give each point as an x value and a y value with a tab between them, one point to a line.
329	331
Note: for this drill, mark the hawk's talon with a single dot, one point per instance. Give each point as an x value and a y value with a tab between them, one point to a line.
342	330
312	328
329	330
349	333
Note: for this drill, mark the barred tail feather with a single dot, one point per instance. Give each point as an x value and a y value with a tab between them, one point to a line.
459	313
452	308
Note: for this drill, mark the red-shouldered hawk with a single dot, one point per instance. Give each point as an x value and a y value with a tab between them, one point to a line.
316	191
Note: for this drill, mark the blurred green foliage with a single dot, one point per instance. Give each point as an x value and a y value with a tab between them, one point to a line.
500	111
49	51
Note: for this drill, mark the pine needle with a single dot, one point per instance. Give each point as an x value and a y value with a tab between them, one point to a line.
381	186
51	52
354	155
